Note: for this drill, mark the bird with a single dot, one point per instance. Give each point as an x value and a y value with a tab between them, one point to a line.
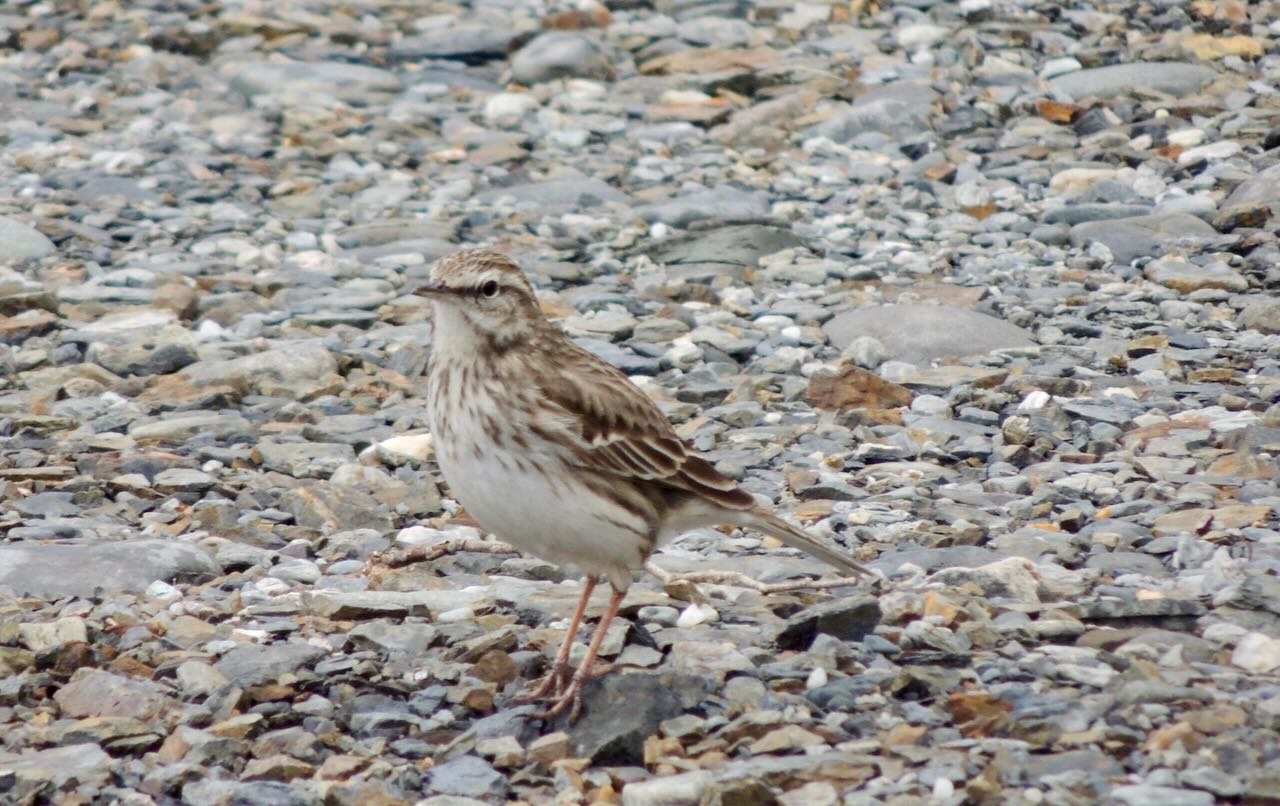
557	452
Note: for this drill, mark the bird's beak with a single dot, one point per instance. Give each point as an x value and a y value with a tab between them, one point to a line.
433	289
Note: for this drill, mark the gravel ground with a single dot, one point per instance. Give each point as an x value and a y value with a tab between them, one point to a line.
984	290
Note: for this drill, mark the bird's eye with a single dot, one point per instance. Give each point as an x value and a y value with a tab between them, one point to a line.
490	289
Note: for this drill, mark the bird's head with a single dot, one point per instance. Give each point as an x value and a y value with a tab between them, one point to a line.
484	292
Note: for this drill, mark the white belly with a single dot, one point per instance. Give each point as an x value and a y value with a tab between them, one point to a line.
533	502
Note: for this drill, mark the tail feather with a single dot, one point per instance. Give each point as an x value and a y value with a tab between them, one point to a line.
774	526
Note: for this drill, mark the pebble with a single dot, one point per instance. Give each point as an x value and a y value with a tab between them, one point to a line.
983	292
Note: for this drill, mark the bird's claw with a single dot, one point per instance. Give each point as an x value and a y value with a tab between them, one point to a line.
571	699
567	695
555	684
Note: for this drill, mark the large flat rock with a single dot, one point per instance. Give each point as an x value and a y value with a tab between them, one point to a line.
1141	236
1171	78
919	334
52	571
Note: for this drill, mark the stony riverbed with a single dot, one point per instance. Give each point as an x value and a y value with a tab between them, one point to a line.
987	291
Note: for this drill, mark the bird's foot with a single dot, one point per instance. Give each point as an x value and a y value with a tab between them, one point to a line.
553	685
571	697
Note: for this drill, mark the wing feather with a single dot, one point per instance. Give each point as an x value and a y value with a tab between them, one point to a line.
614	428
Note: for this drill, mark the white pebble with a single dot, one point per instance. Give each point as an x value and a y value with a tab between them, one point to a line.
696	614
817	679
455	615
1034	401
163	592
420	536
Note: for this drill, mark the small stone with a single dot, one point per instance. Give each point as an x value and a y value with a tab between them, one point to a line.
199	679
848	619
1187	277
784	739
560	54
505	751
237	727
1145	794
468	776
548	749
41	637
276	768
667	790
1257	653
21	242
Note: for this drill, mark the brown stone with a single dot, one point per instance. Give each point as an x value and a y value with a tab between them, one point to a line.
711	60
1167	736
495	666
1216	719
1057	112
1239	516
546	750
904	734
1208	47
785	739
1194	520
92	692
276	768
341	766
577	19
1245	215
237	727
19	328
853	387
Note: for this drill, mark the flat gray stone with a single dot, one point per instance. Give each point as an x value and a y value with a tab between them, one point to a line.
1171	78
1263	188
725	204
93	692
254	664
1145	794
919	334
728	251
19	241
288	370
51	571
386	604
1186	277
182	427
899	109
378	233
60	767
468	42
1141	236
468	776
560	54
571	193
355	84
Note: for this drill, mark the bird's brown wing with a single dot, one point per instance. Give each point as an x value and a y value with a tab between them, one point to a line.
616	429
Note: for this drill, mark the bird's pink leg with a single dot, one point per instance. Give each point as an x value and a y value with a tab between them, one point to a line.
557	678
572	698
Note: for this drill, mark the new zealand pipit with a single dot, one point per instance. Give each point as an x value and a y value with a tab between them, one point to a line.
559	453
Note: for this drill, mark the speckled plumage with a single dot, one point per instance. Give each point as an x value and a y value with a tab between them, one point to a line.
512	398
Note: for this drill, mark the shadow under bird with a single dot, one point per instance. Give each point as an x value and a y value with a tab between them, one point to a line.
557	452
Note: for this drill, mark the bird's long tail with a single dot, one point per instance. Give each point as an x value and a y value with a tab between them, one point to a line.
774	526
